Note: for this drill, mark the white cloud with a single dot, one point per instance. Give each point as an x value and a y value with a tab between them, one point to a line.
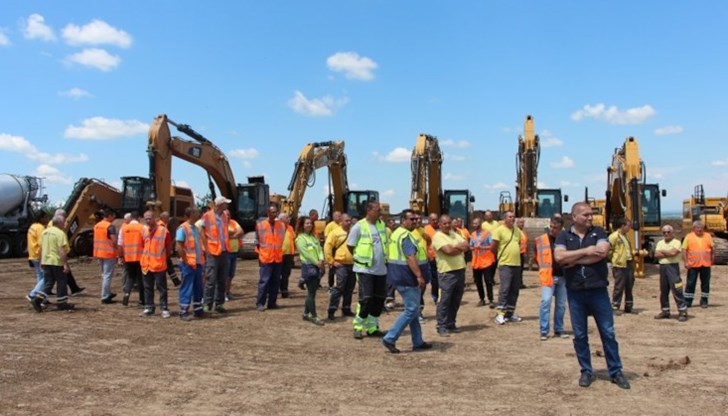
52	175
460	144
614	115
389	193
660	173
34	27
569	184
352	65
549	140
97	32
75	93
4	39
455	158
454	177
95	58
247	164
100	128
397	155
182	184
723	162
316	107
541	185
668	130
564	163
249	153
495	186
19	144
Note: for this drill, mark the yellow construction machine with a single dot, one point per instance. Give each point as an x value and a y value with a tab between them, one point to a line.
598	207
713	212
427	194
628	196
88	196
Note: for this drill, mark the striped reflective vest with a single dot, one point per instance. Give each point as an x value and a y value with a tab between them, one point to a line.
189	246
364	250
213	234
698	250
270	241
103	245
482	257
154	256
395	255
545	259
133	242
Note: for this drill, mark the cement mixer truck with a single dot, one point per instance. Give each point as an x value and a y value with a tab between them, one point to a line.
17	196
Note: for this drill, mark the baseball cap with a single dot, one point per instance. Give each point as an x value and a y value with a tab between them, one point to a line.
222	200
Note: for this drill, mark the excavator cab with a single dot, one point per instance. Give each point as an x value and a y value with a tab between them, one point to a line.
651	205
356	202
458	204
135	192
549	202
252	202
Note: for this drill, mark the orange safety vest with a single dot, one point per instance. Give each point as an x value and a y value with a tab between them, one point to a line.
698	250
189	246
482	257
103	245
524	242
545	260
430	230
154	256
133	242
270	241
212	233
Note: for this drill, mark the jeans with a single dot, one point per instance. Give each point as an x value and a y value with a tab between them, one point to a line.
595	302
39	280
232	263
693	273
107	272
268	284
452	287
191	289
408	317
216	271
558	292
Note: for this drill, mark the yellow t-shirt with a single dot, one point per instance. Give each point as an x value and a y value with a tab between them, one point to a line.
489	226
52	239
447	263
34	233
509	249
330	227
674	243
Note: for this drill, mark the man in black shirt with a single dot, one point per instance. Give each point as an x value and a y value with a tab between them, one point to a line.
582	252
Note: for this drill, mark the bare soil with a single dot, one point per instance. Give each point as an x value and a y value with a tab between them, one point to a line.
105	359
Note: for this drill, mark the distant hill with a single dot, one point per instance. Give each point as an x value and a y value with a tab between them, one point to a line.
671	215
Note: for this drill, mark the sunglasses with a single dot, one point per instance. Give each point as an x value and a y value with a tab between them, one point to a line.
667	232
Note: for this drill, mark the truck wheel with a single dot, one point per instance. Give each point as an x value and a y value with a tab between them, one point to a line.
83	245
21	247
6	246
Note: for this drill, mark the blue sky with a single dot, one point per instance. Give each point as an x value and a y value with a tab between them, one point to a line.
82	80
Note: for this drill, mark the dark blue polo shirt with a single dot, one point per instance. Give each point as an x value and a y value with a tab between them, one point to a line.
584	276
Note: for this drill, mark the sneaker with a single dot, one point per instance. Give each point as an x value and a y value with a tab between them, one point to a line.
125	300
663	315
389	306
35	303
390	347
481	303
147	312
621	381
220	309
561	334
316	321
422	318
704	305
514	318
166	314
443	332
358	334
66	306
79	291
454	329
185	316
682	316
586	379
229	296
207	308
108	300
260	308
423	346
500	319
377	333
544	337
305	317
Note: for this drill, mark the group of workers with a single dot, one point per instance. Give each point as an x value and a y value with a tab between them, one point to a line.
383	258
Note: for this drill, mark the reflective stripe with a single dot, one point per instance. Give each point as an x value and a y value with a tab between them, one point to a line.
544	257
482	257
133	242
103	245
190	247
364	250
212	233
270	241
154	257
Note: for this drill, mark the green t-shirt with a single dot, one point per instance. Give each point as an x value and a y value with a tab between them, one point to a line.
674	243
52	239
447	263
509	249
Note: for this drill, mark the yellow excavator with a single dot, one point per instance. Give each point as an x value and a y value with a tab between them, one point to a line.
427	195
250	200
628	196
88	196
713	212
598	207
329	154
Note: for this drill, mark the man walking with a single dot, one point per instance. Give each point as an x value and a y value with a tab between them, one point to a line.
698	255
34	235
668	252
551	276
368	242
54	259
450	248
339	258
405	273
507	248
269	234
620	255
582	252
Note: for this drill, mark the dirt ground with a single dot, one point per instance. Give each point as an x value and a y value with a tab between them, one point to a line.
105	359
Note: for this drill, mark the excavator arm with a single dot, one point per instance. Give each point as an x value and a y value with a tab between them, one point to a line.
529	152
88	196
426	193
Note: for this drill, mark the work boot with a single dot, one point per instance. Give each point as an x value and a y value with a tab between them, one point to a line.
682	316
66	306
348	313
627	308
125	300
663	315
481	303
331	315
